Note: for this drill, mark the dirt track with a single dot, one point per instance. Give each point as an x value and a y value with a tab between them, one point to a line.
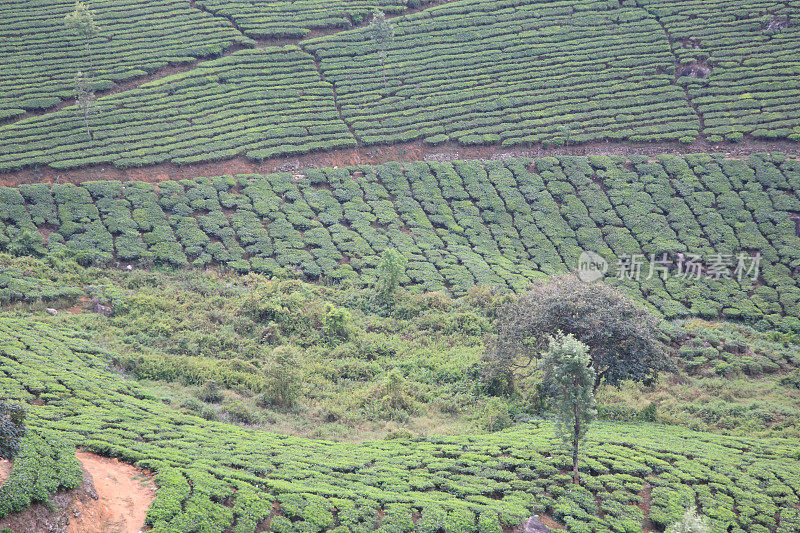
409	151
124	495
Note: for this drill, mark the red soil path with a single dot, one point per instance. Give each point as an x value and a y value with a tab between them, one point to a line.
124	495
373	155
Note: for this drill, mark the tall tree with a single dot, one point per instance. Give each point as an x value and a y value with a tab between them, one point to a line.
623	337
81	21
84	99
383	34
570	378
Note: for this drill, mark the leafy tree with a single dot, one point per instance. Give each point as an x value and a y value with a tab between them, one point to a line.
383	34
390	270
12	428
84	99
570	378
283	380
623	338
81	22
690	523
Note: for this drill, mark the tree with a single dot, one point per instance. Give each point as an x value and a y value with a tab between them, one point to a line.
623	338
84	99
383	34
283	381
690	523
81	22
570	379
390	270
12	428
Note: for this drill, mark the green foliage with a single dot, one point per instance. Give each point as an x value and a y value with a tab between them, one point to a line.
496	415
46	463
623	338
282	378
12	428
81	21
390	269
500	224
570	380
210	392
215	473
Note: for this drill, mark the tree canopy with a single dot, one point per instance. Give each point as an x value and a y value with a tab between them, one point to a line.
623	337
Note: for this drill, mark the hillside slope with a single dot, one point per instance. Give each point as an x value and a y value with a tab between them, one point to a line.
212	475
498	224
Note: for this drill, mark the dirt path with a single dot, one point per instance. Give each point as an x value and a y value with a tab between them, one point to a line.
373	155
646	501
5	470
124	495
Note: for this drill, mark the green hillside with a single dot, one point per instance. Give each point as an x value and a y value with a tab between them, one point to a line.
408	266
262	101
478	72
497	224
212	476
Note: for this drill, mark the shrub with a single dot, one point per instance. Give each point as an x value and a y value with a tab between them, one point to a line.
496	415
210	392
237	411
281	378
12	428
690	523
734	136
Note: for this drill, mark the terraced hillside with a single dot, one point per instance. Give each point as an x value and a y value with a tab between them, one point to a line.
469	72
213	476
499	224
263	102
41	56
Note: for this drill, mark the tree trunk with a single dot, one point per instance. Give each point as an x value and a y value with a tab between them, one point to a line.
383	67
598	378
575	435
91	60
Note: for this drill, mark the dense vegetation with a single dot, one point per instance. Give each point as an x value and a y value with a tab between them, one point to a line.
45	464
741	59
398	347
266	19
511	72
336	362
498	224
560	72
213	475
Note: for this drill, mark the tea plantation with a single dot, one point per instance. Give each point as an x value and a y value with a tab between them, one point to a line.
511	72
213	476
263	102
498	224
135	37
261	19
330	327
560	72
477	72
